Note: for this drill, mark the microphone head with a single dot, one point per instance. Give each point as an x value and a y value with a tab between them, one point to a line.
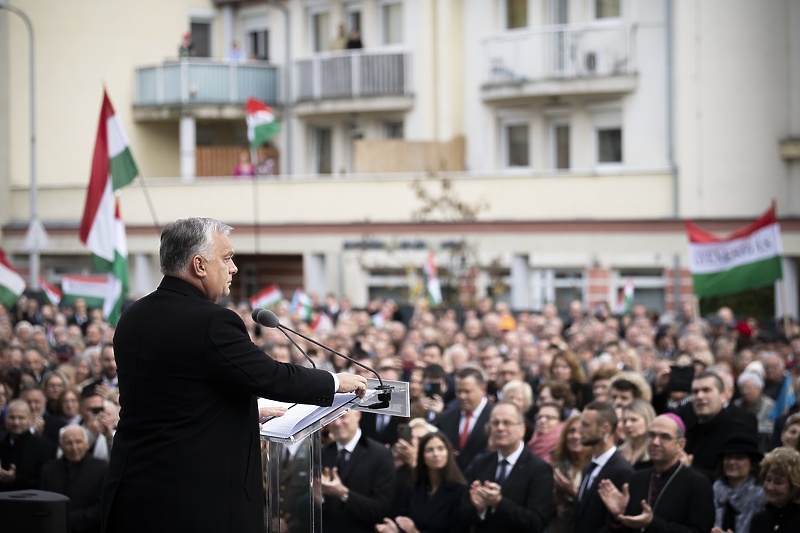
265	317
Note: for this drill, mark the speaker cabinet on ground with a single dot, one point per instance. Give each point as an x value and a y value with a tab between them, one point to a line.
34	511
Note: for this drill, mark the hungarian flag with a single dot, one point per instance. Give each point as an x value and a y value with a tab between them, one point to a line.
746	259
96	291
432	277
261	123
625	301
301	305
270	296
102	229
322	322
52	294
12	285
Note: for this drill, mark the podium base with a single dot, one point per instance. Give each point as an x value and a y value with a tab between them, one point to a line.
35	511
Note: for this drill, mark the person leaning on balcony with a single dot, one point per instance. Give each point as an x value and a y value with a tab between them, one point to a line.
340	41
354	40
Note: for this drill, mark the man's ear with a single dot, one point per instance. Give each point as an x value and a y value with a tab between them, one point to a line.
199	266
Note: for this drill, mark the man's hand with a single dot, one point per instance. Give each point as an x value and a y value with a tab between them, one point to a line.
331	483
38	426
491	494
8	476
564	484
352	383
434	403
406	451
406	524
265	413
639	521
615	501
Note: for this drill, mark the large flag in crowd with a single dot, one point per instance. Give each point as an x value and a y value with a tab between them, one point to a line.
301	304
12	285
261	123
270	296
102	229
625	301
748	258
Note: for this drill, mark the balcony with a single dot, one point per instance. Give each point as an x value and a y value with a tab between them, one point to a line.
340	82
205	87
559	60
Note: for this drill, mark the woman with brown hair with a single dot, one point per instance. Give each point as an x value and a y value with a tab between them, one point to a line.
780	477
566	367
569	458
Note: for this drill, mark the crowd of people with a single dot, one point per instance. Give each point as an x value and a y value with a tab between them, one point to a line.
520	421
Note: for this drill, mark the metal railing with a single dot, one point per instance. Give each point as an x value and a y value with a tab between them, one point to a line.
559	52
352	75
205	81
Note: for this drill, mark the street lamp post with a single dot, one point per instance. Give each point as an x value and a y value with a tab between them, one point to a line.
35	229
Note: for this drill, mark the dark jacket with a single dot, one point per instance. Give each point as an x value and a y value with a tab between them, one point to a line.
29	453
448	423
590	511
186	453
82	483
437	513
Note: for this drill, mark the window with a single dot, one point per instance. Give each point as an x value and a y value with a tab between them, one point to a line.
606	9
353	18
320	32
560	145
201	38
516	14
258	42
516	145
609	145
323	153
392	22
394	130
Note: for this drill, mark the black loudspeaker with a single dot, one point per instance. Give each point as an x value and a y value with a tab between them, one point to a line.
34	511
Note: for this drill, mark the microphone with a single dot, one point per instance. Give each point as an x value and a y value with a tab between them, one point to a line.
268	319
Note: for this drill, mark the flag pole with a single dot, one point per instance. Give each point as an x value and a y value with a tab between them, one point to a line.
696	308
256	215
149	202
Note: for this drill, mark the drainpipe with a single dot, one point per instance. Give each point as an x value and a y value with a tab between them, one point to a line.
673	167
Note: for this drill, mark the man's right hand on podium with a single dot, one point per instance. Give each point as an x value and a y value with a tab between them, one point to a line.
352	383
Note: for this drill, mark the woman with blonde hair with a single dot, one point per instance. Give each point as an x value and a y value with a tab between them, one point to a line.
636	419
520	394
780	477
569	459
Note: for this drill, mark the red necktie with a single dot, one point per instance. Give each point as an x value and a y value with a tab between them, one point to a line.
462	439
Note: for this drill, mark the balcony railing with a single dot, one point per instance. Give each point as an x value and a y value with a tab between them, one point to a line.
345	75
204	81
559	52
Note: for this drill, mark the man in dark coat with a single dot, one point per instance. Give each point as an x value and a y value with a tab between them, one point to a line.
22	453
186	454
511	489
465	423
668	496
358	479
78	476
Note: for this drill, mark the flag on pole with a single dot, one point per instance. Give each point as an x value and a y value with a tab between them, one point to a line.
52	294
102	229
12	285
747	259
270	296
432	277
301	305
261	123
625	301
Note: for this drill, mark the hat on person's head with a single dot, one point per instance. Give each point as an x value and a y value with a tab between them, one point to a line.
744	329
741	443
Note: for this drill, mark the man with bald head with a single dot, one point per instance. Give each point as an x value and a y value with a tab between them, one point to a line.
669	496
22	453
78	476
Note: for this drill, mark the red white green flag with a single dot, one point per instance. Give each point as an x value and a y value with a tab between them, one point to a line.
96	291
746	259
12	285
102	229
270	296
432	280
301	305
52	294
625	301
261	123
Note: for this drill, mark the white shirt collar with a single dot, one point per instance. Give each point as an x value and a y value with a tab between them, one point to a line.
602	459
513	457
351	445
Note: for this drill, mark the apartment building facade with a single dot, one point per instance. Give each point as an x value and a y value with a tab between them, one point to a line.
543	150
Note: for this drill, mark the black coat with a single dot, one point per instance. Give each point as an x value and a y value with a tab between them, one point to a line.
82	483
783	520
527	492
685	505
434	514
29	453
186	453
703	441
590	511
370	476
476	441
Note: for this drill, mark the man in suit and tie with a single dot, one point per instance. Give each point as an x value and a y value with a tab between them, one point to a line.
358	479
597	425
464	424
510	489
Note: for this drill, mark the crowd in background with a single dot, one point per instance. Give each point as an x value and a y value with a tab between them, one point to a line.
556	420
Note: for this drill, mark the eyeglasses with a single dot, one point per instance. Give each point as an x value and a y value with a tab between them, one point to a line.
663	437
